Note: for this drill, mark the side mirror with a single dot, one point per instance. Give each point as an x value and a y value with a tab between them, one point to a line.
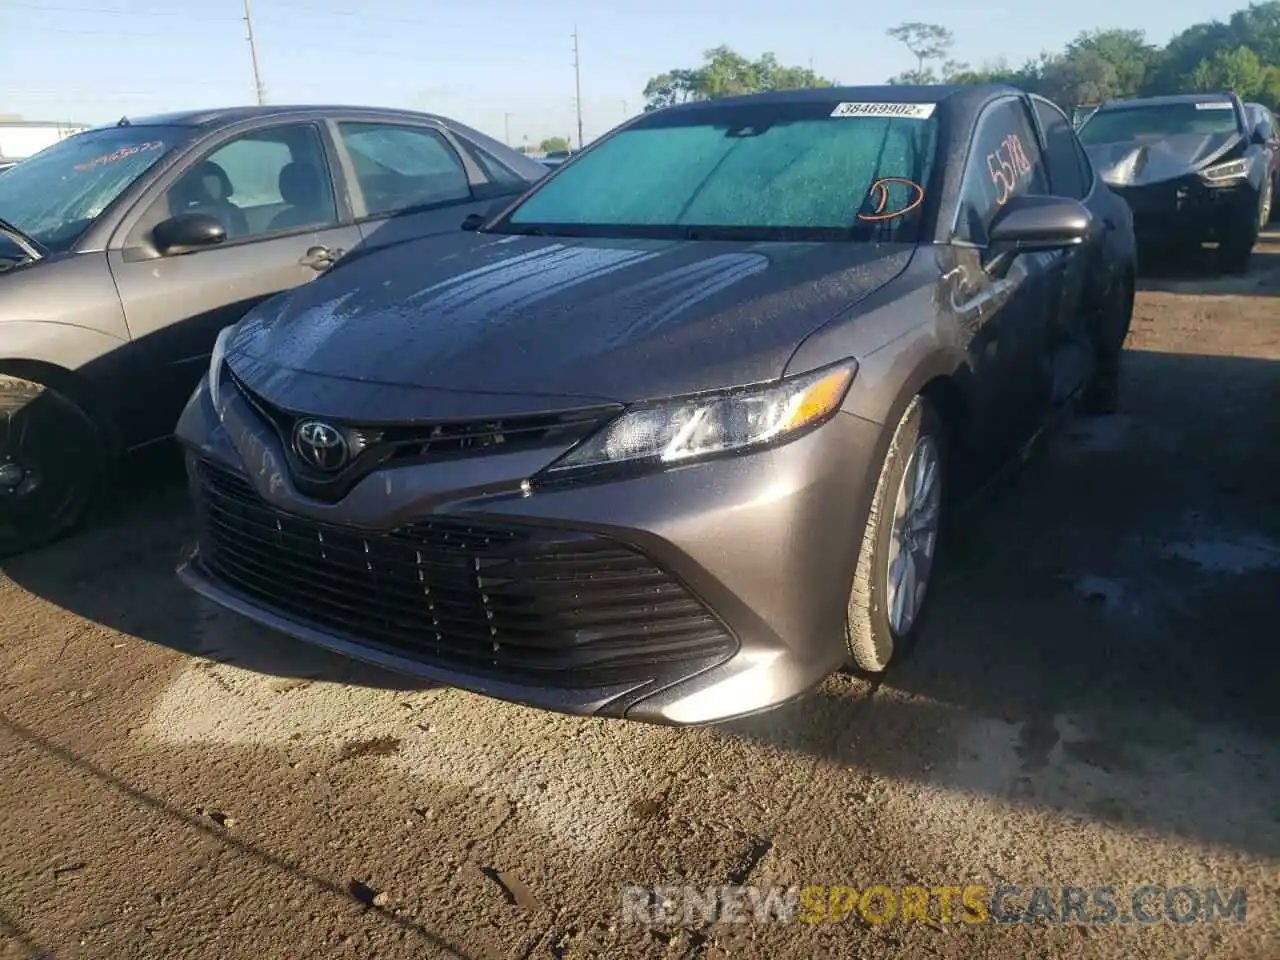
1040	223
1261	135
187	231
1031	223
474	221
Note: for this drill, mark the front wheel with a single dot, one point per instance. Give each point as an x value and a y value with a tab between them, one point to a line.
900	542
51	458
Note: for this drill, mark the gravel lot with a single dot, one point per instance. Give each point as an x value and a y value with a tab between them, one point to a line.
1093	702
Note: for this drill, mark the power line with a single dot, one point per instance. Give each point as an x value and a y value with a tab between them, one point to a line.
108	11
362	14
134	13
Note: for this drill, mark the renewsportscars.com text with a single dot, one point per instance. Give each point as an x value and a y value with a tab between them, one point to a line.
972	904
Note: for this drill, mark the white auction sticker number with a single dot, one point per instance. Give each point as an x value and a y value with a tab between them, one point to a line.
908	111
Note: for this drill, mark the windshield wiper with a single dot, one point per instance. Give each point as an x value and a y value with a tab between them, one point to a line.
25	242
530	230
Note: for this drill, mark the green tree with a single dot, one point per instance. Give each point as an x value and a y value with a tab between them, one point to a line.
926	41
552	144
726	73
1127	56
1072	80
1238	70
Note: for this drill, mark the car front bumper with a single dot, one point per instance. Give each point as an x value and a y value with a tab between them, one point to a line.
683	596
1186	212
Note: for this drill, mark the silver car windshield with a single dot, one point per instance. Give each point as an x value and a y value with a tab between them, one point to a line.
54	196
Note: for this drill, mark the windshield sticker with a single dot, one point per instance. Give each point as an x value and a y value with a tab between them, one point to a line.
120	154
1216	105
1009	167
908	111
892	197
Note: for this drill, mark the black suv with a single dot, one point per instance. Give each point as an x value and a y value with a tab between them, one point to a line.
1194	168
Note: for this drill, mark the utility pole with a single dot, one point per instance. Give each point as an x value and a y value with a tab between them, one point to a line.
577	83
506	128
253	53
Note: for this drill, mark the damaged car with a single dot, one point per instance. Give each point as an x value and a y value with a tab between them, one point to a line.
1194	168
672	437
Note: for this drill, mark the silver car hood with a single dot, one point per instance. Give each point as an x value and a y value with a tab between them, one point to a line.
1133	163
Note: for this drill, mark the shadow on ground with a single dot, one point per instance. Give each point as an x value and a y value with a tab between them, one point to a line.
1103	639
1199	272
1119	599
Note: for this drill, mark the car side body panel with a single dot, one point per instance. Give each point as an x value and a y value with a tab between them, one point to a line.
81	330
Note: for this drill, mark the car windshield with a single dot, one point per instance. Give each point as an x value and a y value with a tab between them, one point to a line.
1159	120
54	196
804	171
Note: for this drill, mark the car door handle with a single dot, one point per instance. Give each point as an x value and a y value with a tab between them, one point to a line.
320	258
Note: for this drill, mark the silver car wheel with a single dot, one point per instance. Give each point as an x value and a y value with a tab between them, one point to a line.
916	516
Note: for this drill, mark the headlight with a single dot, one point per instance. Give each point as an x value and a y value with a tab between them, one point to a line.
1226	172
215	366
686	428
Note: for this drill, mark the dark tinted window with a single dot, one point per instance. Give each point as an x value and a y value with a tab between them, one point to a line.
1066	178
1263	116
1004	161
399	168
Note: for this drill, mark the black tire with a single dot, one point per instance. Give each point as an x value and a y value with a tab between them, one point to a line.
1111	329
51	460
873	642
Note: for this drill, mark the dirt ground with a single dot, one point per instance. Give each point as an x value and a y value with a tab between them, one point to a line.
1094	702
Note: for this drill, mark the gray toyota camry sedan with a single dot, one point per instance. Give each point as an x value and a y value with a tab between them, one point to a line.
671	436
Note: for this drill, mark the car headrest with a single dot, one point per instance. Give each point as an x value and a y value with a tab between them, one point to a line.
207	183
300	184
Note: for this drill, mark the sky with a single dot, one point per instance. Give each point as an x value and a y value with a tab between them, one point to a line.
503	66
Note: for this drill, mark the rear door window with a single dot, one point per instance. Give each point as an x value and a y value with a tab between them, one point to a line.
401	167
1062	152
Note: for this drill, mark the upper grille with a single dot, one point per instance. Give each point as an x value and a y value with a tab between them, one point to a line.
375	445
521	603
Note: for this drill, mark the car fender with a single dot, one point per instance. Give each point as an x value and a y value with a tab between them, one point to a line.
74	348
84	363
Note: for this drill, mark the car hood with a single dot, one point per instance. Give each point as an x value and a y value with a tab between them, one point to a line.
540	318
1133	163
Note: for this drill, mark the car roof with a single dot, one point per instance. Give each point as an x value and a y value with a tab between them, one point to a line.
1172	98
224	116
963	95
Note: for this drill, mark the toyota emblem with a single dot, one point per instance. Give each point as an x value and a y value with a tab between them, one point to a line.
320	446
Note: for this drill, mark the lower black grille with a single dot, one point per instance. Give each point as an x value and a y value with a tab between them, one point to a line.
519	603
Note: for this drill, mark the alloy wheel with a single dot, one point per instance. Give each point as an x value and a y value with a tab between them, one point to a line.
916	517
